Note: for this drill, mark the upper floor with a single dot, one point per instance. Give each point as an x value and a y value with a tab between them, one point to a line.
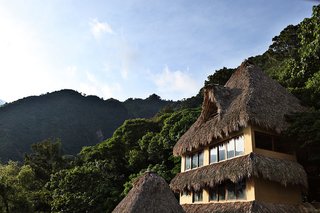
248	140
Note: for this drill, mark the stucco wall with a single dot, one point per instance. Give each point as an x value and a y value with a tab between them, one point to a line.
268	191
185	198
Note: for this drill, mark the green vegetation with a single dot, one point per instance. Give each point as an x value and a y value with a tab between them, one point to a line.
100	175
98	178
76	119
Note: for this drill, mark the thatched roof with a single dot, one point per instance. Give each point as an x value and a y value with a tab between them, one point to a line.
150	193
247	207
249	96
285	172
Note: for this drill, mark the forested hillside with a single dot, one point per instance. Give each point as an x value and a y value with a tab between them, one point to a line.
76	119
100	175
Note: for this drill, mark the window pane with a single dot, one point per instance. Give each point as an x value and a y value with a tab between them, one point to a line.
231	192
241	190
230	148
197	196
263	141
213	195
195	160
188	162
222	152
213	155
222	192
239	145
201	158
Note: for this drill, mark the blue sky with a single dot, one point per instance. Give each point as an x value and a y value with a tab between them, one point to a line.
132	48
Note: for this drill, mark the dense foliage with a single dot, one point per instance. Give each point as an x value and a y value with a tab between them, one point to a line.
76	119
97	179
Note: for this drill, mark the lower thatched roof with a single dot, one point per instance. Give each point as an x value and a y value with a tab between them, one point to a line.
245	207
150	193
285	172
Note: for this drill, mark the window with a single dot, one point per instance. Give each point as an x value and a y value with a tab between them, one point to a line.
200	157
231	191
194	161
213	194
221	192
222	152
263	141
228	191
239	143
197	196
185	193
272	143
230	148
241	190
213	155
188	162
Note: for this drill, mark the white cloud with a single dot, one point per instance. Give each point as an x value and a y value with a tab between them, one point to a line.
92	86
177	83
99	28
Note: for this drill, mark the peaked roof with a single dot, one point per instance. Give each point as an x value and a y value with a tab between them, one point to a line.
249	96
284	172
150	193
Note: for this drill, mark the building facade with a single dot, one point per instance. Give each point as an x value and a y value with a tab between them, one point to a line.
234	157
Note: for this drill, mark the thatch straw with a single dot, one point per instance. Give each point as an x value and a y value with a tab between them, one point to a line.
249	96
245	207
150	193
285	172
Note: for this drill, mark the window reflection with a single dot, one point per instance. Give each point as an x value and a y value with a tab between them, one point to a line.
222	152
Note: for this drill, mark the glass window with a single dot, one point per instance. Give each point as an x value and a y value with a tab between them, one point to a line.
213	194
194	161
185	193
221	192
230	148
188	162
263	141
241	190
197	196
231	191
239	142
222	152
213	155
201	159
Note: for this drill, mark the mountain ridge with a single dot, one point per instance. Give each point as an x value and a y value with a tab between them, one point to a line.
76	119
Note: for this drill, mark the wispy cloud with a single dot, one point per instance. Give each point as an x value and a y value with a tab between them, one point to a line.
93	86
178	82
99	28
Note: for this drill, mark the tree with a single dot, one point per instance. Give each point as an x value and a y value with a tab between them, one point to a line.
220	76
15	182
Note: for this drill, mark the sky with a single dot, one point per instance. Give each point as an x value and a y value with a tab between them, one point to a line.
132	48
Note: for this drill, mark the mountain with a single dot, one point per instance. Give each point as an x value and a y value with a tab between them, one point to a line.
68	115
2	102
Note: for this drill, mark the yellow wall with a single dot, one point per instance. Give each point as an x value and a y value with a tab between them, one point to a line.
183	163
248	147
268	191
206	156
185	198
273	154
250	192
